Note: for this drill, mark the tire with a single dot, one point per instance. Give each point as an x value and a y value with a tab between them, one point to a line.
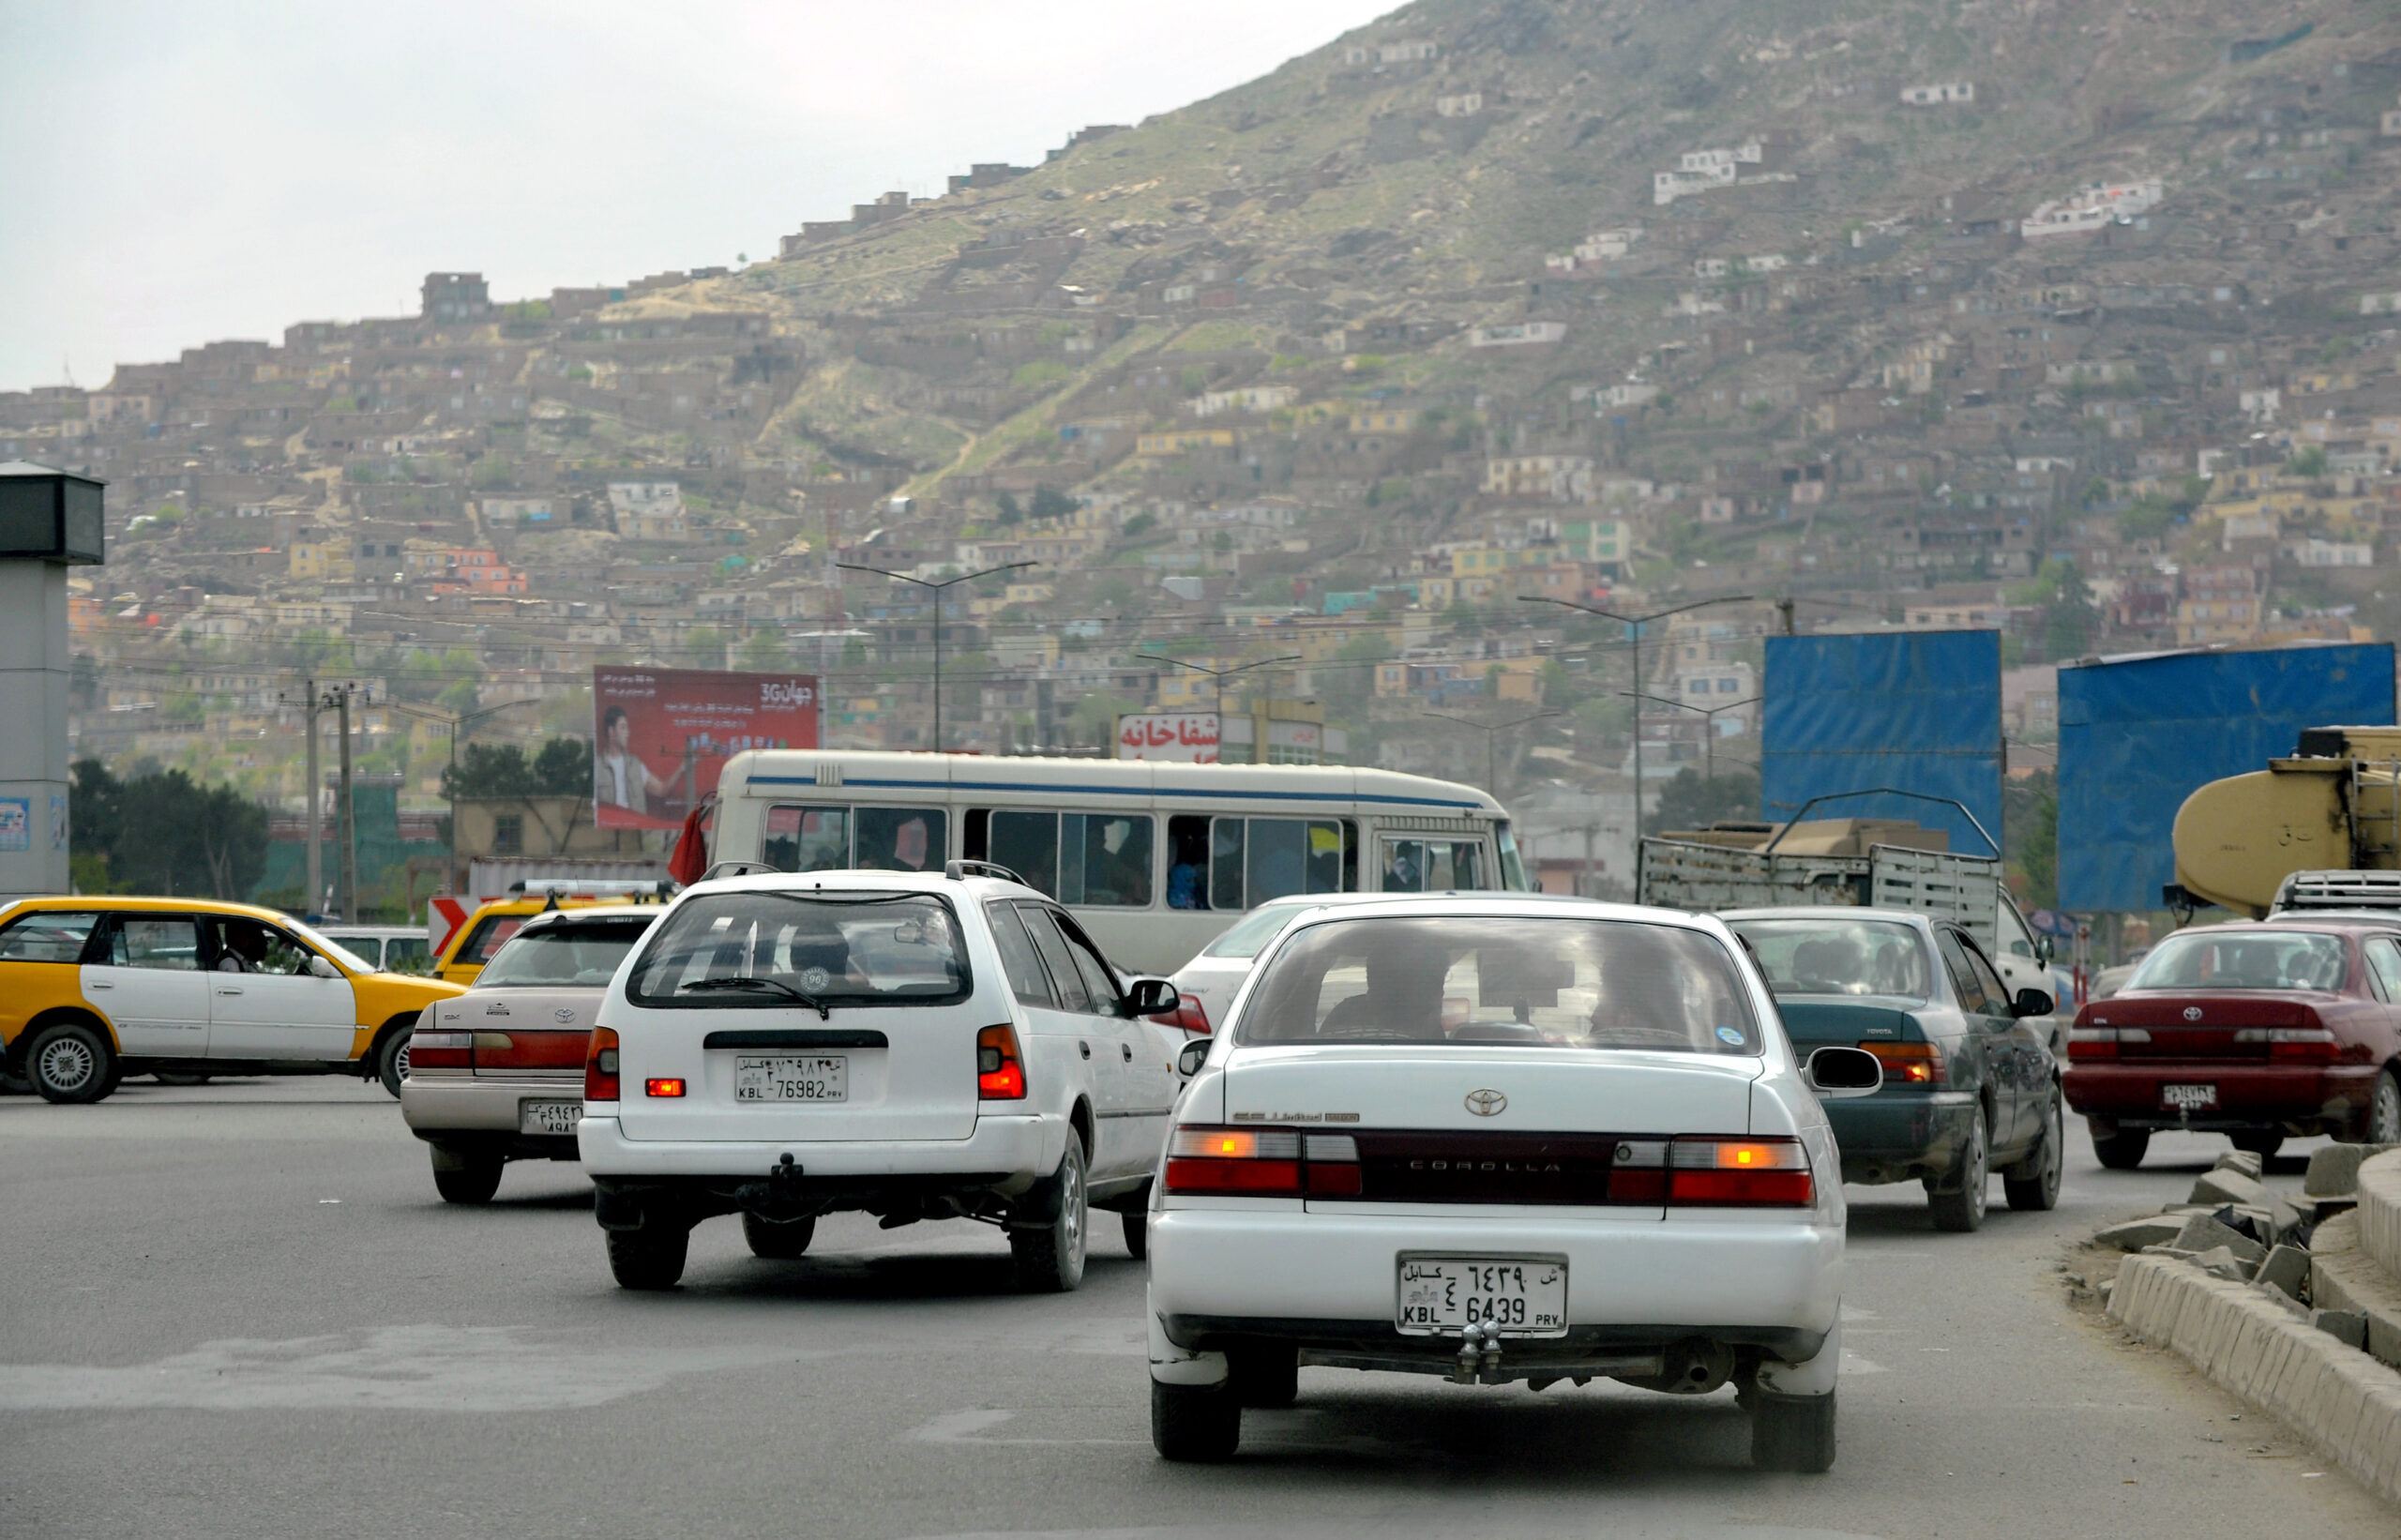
392	1058
2384	1110
466	1178
174	1076
70	1064
1050	1261
1960	1207
2121	1151
1793	1433
1137	1234
1265	1376
2032	1185
648	1259
1195	1424
2263	1143
777	1241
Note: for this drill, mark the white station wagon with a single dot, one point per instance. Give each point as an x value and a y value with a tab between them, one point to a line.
914	1045
1499	1139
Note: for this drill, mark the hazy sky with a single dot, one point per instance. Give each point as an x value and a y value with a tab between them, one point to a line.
177	173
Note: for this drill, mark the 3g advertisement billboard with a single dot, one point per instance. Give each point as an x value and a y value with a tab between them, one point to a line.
661	736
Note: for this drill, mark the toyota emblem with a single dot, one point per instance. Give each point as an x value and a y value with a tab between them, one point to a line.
2192	1013
1486	1104
564	1014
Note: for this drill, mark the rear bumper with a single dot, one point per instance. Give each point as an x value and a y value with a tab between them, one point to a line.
478	1106
1901	1137
2302	1099
1021	1149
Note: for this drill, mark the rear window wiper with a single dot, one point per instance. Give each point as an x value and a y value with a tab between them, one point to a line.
773	986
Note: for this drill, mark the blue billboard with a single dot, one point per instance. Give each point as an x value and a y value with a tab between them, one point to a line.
2138	736
1916	711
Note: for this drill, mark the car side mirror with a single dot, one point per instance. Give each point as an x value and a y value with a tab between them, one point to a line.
1151	997
2045	949
1195	1055
1840	1073
2032	1003
321	968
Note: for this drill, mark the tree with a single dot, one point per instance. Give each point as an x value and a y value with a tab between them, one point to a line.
706	646
1050	503
562	768
165	833
763	652
1690	801
1005	509
2030	837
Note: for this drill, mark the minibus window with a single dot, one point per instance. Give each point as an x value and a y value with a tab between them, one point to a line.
1252	860
1099	860
886	838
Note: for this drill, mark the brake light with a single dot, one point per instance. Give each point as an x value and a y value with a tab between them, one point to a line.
1255	1162
600	1067
2102	1042
2314	1045
1909	1064
1000	1073
442	1051
1187	1016
662	1088
1739	1173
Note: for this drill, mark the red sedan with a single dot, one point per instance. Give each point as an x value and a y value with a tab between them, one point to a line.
2258	1031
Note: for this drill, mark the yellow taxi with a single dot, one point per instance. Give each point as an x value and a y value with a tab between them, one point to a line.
489	928
96	989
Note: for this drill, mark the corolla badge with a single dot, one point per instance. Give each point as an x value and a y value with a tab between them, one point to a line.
1486	1104
2192	1013
564	1014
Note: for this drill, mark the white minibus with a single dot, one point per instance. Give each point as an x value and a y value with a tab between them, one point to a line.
1156	860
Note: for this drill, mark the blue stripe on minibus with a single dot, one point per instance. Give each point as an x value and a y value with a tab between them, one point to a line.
813	782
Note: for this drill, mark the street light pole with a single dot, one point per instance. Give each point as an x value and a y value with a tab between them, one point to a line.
1634	625
1217	678
1709	732
938	588
1492	732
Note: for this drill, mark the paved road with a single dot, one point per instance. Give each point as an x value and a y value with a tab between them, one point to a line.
239	1310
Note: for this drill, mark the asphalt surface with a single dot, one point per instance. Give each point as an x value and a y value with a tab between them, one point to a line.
240	1310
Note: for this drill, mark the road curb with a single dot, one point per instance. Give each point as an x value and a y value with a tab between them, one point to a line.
2343	1402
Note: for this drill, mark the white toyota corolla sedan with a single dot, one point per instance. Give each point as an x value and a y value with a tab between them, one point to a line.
1500	1137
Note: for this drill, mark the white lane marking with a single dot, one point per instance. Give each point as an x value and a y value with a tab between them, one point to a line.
1853	1363
400	1368
968	1427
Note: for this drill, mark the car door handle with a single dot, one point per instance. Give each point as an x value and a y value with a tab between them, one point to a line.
1087	1047
224	990
99	984
1128	1050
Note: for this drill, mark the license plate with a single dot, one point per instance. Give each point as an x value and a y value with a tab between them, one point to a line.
548	1117
791	1077
1524	1296
2188	1098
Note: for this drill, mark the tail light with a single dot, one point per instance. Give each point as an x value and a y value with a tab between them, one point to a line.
1739	1173
599	1066
2310	1044
662	1088
1187	1016
1908	1064
1245	1162
1000	1073
523	1049
2102	1042
442	1051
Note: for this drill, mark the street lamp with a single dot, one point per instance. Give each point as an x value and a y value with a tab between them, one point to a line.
1220	675
937	587
458	721
1708	737
1634	625
1490	730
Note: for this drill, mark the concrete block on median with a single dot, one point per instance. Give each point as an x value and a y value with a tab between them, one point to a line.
2335	1171
2242	1162
2220	1261
2134	1234
2202	1232
2216	1186
2287	1268
2348	1327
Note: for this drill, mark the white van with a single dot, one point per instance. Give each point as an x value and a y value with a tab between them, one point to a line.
1154	860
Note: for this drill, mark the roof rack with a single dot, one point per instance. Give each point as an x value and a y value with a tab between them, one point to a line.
738	868
2340	889
555	888
957	869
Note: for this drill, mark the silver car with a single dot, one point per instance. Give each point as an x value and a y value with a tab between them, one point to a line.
496	1073
1209	982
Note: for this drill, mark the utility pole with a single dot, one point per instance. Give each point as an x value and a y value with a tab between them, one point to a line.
346	816
316	894
939	589
1492	732
1709	726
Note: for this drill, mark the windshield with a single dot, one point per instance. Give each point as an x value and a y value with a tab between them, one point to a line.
1252	931
332	948
1837	956
578	952
2246	959
1527	981
870	949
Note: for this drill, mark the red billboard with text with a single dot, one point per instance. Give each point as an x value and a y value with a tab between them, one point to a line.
661	736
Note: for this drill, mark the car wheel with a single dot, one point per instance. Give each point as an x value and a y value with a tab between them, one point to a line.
392	1059
1793	1433
463	1178
71	1062
1960	1206
2263	1143
2032	1185
169	1076
1195	1423
1137	1234
1051	1260
2384	1110
1265	1376
648	1259
2122	1150
777	1241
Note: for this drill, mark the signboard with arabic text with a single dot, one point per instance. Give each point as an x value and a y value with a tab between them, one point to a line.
661	736
1182	737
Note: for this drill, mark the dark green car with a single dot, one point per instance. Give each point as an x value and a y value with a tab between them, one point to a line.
1969	1086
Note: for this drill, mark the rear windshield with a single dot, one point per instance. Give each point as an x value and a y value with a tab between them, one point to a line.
1253	931
772	949
1527	981
1835	955
490	935
567	953
2245	959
